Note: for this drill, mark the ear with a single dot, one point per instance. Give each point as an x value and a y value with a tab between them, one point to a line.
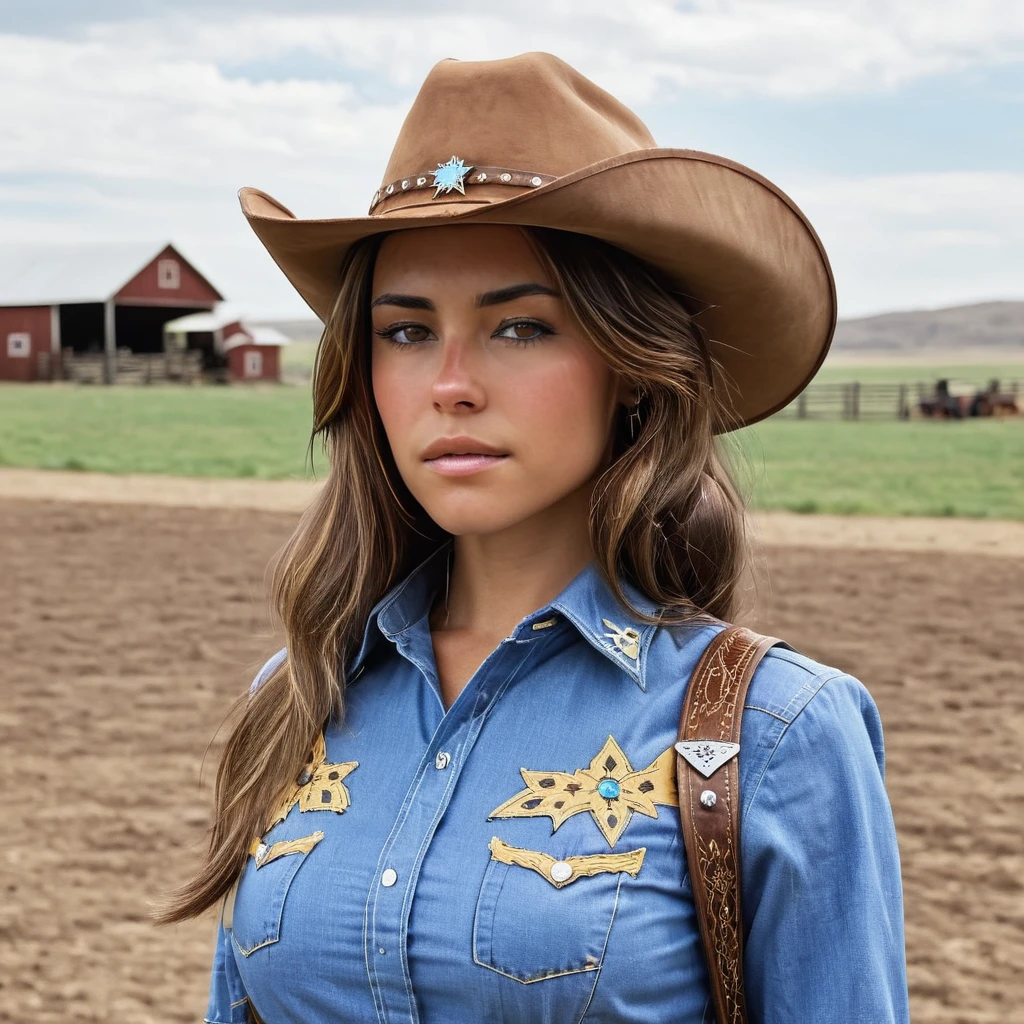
625	393
628	395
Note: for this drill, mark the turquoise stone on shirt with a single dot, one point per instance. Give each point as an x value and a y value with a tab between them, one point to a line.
608	788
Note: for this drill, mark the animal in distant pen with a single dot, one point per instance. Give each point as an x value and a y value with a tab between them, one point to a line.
994	402
943	405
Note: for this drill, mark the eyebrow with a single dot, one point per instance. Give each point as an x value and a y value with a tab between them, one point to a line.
493	298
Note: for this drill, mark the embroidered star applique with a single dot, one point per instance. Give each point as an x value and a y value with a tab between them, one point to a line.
319	786
608	788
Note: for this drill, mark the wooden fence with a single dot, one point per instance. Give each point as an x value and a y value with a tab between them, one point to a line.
855	400
184	366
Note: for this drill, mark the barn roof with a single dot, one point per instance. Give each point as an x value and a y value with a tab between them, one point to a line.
257	334
44	274
222	314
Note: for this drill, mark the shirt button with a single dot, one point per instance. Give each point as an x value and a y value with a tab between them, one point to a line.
389	877
442	760
561	870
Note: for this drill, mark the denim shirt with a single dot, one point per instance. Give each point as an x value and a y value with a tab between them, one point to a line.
481	864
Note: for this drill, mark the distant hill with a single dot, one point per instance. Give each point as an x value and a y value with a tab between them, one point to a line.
985	326
303	331
994	327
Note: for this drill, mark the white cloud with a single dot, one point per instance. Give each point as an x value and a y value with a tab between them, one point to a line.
941	239
146	127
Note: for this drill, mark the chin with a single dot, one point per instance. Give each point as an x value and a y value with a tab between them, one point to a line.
467	524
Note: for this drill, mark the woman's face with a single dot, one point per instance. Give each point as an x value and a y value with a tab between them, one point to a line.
469	339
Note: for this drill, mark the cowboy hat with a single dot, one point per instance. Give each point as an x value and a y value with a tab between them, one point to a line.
528	140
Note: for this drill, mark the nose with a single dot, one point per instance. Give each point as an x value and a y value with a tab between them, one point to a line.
457	381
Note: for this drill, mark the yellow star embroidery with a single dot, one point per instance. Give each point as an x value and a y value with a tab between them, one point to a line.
609	789
318	787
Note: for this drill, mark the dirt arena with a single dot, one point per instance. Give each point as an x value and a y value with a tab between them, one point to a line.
129	628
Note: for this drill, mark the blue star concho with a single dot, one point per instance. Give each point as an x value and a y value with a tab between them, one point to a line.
450	175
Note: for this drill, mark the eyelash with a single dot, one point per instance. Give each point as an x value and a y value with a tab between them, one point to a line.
388	333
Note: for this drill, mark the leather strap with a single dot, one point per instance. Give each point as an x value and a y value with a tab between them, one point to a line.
251	1016
711	716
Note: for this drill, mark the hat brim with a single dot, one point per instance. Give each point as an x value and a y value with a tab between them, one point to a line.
734	240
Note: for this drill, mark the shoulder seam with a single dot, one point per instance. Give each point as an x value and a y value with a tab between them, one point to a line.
822	680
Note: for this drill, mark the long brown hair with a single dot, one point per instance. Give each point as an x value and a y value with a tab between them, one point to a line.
665	515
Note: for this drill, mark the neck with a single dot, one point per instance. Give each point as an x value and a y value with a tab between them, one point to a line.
497	579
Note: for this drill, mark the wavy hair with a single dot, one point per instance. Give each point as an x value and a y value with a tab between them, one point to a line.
665	515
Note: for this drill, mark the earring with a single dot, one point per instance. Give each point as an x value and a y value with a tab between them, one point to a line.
633	414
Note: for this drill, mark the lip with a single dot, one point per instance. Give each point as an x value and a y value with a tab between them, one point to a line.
461	444
463	465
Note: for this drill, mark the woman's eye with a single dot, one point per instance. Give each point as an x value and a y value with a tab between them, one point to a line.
524	331
413	334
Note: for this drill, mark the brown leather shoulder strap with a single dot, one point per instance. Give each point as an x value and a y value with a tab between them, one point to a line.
707	775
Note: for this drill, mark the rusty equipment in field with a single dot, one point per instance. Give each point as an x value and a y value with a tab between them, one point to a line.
994	402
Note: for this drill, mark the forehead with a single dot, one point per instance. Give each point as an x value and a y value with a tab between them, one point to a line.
456	257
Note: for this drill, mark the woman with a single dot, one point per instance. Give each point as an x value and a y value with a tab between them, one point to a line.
451	797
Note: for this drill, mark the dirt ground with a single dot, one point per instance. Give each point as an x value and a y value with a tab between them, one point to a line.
130	628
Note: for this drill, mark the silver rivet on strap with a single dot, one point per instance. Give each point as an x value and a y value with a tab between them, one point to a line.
709	798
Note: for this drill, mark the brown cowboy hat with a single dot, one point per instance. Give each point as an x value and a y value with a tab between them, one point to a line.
530	141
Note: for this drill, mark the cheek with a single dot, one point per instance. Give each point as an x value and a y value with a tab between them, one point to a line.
393	392
567	403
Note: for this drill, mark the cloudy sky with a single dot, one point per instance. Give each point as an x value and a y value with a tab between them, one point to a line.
896	125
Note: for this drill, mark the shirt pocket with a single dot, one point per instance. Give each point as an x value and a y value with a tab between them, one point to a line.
263	889
536	919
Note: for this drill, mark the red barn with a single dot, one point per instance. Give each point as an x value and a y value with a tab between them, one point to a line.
230	344
90	297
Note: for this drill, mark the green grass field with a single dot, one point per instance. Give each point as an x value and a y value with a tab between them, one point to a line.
924	468
255	431
967	468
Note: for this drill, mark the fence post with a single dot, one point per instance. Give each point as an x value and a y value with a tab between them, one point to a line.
801	405
855	400
902	407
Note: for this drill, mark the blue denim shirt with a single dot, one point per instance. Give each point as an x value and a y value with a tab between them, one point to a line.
413	878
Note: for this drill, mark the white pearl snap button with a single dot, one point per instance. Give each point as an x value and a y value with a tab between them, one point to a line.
561	870
389	877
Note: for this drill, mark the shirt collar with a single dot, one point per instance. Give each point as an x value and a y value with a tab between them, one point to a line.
586	601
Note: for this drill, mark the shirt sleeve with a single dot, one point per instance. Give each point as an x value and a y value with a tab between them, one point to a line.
227	994
822	896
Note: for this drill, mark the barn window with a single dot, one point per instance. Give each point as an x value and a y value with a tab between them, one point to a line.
253	364
19	344
168	274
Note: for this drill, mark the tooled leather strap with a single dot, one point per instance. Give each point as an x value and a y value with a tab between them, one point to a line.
711	717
